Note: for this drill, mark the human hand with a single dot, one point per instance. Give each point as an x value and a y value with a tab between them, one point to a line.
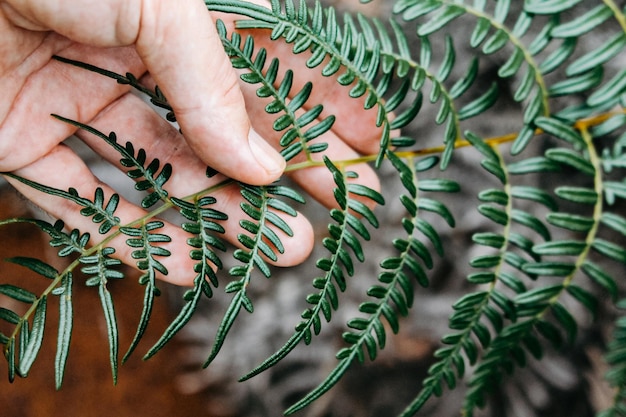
178	49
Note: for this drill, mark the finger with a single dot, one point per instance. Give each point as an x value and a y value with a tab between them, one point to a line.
182	50
316	180
28	131
354	124
76	174
16	48
136	122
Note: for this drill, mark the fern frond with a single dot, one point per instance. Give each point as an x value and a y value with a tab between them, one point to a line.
201	224
447	113
370	59
36	265
28	337
156	96
143	240
532	89
300	130
617	375
147	177
17	293
112	331
505	351
478	312
345	233
534	256
31	336
587	68
259	201
66	320
99	212
67	244
533	305
32	339
74	242
100	267
549	6
319	32
393	297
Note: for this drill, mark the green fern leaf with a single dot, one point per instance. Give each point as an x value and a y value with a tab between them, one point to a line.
143	239
441	18
583	23
525	277
112	331
571	158
610	91
17	293
333	267
397	290
29	348
598	56
549	6
36	265
560	248
577	84
558	56
567	321
153	179
95	209
584	297
258	201
66	319
560	130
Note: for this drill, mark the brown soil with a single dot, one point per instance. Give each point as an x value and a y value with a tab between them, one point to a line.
144	388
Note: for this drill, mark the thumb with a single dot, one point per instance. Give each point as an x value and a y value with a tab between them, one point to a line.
179	45
185	56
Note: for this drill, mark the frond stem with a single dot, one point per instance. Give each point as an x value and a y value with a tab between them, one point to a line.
433	381
517	43
494	142
597	212
529	324
619	15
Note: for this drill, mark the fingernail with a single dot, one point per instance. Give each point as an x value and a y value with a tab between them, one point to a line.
266	156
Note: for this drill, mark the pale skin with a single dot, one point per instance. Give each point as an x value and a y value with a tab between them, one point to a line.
176	47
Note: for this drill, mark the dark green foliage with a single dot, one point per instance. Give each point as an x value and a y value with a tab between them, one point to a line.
142	239
544	246
257	204
146	177
295	138
616	376
342	244
393	297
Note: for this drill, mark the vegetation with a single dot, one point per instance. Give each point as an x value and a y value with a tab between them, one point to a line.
548	245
